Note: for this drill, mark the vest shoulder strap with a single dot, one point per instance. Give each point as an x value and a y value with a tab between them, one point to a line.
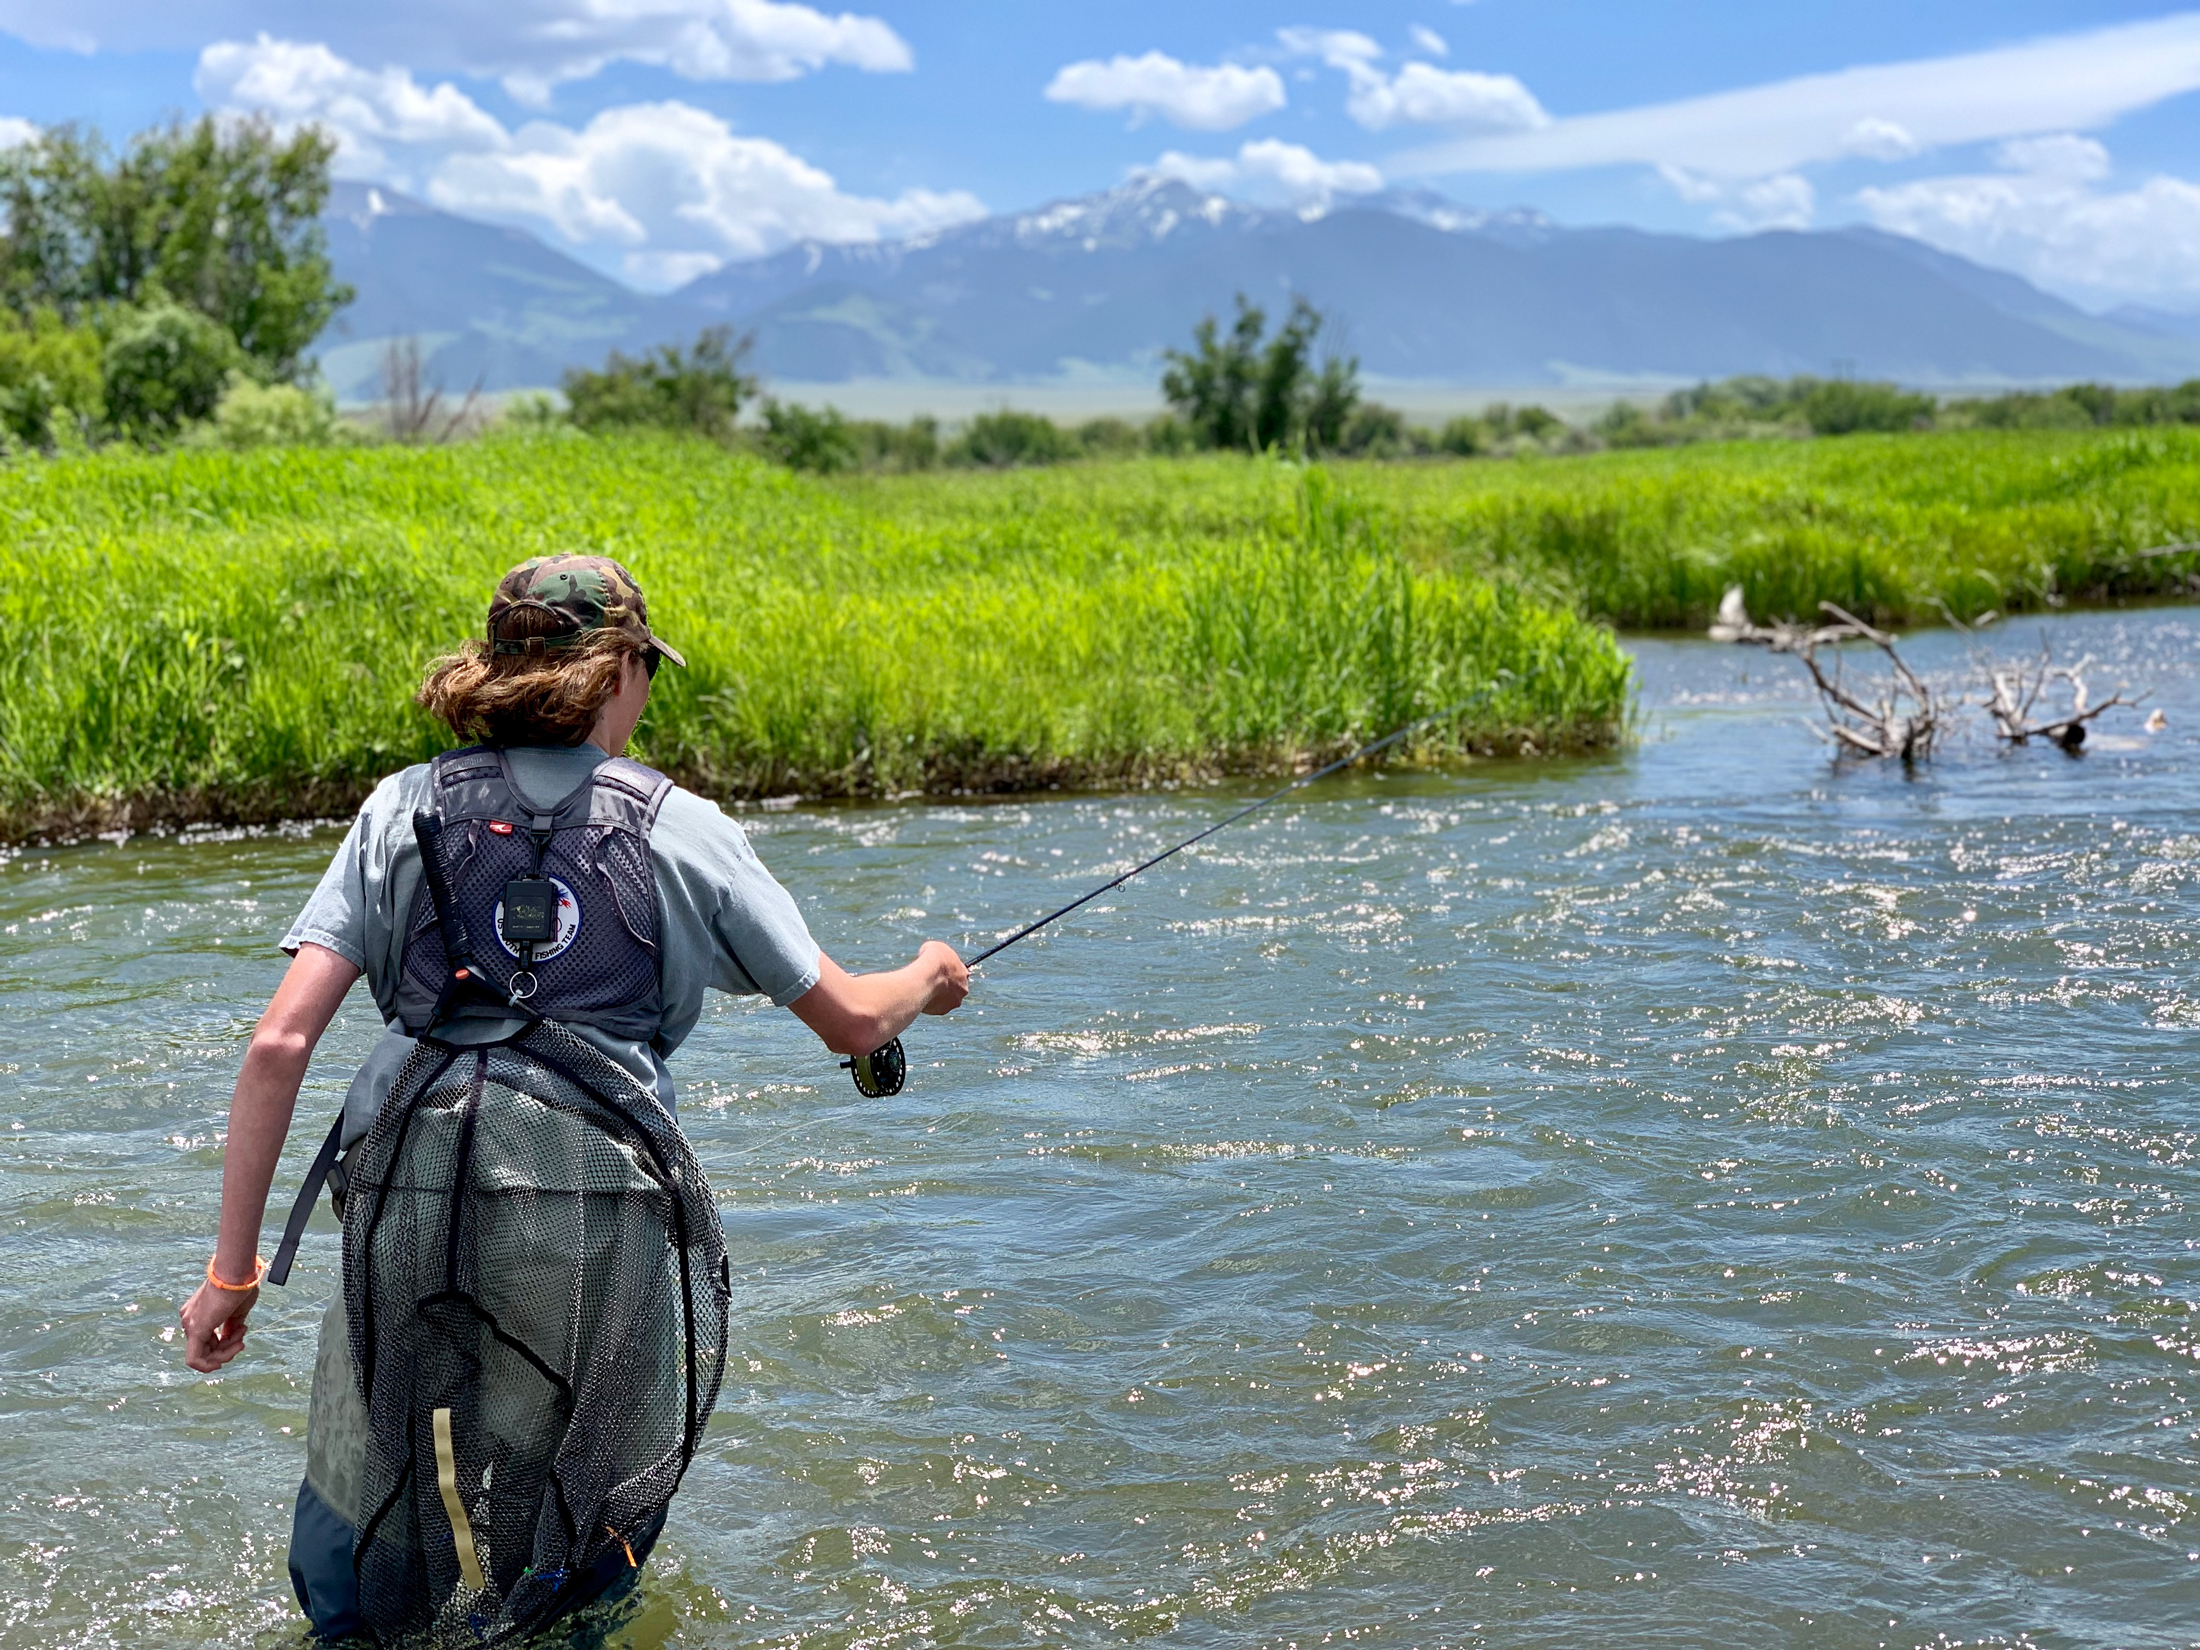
447	768
628	795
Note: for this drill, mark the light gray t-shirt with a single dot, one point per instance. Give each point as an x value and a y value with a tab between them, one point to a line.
722	919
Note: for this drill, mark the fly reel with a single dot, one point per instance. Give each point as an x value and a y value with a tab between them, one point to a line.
879	1073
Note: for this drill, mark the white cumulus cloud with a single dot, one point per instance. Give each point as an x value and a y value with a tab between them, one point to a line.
1199	98
1785	200
1419	93
1339	48
530	45
1427	96
15	130
1428	40
1269	169
2045	216
668	188
1876	139
368	110
679	189
702	40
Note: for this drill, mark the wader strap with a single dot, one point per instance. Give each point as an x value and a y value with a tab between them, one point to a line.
278	1271
454	1508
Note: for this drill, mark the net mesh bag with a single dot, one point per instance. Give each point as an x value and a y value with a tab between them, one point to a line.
537	1299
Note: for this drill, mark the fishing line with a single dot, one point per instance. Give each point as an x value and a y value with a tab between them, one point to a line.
882	1072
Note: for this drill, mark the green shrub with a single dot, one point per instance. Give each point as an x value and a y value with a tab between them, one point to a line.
823	443
1464	437
165	366
251	414
1377	431
1170	437
1625	424
1534	422
50	388
899	447
1108	437
532	410
1843	407
997	440
698	388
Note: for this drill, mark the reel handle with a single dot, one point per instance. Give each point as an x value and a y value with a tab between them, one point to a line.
880	1073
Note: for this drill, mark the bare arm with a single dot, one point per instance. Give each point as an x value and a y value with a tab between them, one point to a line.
259	1121
856	1013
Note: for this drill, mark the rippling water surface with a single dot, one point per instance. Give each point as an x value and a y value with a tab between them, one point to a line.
1703	1195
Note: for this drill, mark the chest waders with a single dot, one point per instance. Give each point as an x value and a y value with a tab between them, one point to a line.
535	1277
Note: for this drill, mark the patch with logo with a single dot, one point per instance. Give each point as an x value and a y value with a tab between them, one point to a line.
568	930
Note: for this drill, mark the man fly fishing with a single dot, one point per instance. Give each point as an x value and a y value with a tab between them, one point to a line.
531	1324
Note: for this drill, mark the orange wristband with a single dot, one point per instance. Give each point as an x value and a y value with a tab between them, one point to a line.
259	1271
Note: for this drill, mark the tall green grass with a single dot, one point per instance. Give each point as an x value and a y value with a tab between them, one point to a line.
239	634
1889	526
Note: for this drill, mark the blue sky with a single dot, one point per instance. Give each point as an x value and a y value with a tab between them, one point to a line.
657	139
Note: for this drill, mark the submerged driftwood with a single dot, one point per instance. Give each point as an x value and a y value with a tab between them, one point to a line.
1901	715
2017	689
1898	715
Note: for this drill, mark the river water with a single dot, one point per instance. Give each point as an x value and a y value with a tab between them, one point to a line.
1699	1195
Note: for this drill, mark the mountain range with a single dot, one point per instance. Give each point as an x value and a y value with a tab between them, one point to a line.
1415	285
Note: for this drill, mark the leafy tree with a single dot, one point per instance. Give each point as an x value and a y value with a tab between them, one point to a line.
1248	390
1842	407
1330	402
1531	421
698	388
1376	431
1107	437
2082	406
222	217
1004	438
166	366
911	446
1625	424
1170	437
804	440
50	386
1464	437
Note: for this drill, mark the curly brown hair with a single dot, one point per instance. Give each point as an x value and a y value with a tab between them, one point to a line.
546	698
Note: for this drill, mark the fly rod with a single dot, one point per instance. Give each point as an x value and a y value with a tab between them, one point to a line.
882	1072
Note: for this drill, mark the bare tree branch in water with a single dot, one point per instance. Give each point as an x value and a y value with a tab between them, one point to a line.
2013	691
1897	715
412	406
2017	689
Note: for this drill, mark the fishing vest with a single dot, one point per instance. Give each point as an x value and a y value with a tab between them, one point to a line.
600	967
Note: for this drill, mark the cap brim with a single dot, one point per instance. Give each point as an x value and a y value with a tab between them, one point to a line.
661	646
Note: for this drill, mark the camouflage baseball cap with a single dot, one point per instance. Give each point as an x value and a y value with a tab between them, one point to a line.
584	593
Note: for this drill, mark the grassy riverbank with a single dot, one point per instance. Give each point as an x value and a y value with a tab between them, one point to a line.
215	635
209	635
1889	526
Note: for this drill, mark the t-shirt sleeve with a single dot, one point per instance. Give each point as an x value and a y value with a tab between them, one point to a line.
335	916
357	909
717	891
